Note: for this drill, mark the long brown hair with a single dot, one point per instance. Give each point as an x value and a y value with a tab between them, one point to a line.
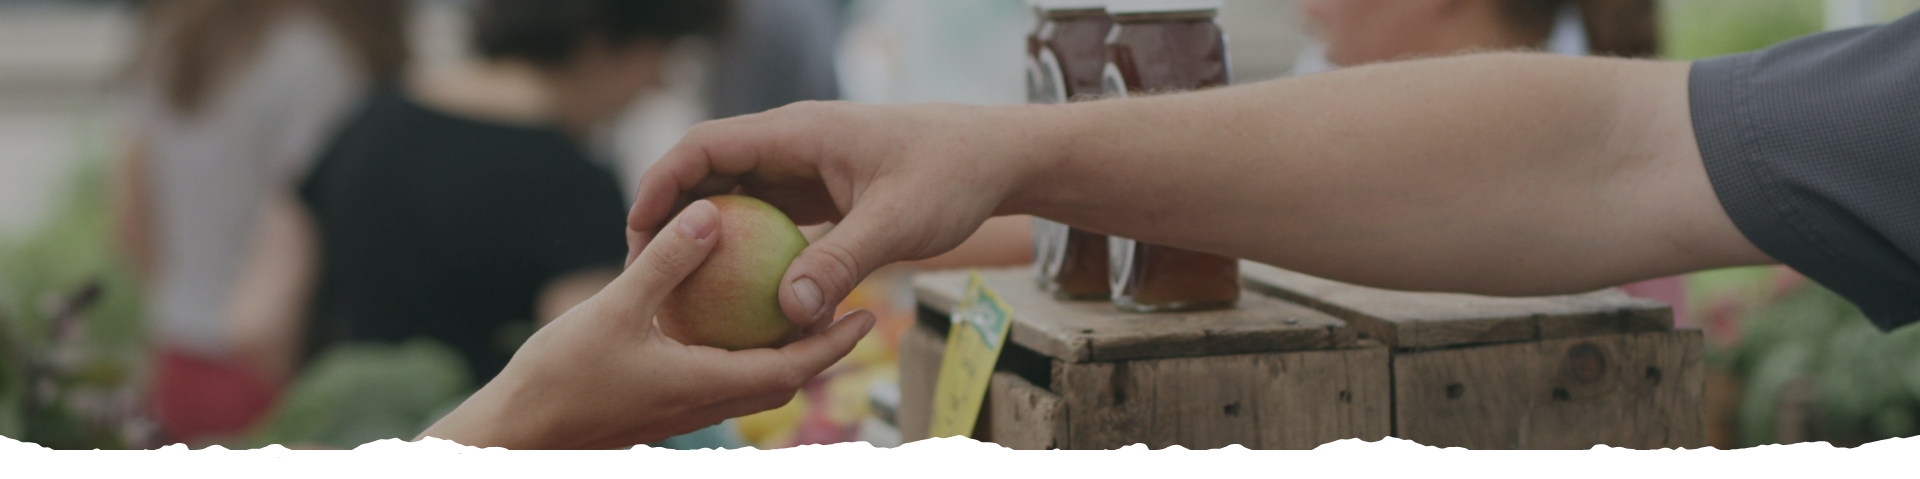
1625	28
190	46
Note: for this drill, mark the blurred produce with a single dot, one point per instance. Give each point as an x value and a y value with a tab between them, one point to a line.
353	394
1814	369
831	407
71	352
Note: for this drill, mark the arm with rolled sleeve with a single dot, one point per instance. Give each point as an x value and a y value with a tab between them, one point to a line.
1813	147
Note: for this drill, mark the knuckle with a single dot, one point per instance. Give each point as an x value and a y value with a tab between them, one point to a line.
790	381
840	261
667	260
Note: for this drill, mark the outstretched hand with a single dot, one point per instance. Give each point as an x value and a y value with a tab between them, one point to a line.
604	376
900	182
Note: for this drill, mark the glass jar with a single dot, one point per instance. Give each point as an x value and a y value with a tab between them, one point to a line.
1067	54
1167	47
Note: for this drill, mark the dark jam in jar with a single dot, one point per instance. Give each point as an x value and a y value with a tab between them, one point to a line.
1167	50
1067	54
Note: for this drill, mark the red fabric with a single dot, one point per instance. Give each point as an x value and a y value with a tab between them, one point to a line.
1671	290
198	397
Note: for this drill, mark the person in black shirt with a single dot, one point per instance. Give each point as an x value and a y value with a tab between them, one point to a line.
461	206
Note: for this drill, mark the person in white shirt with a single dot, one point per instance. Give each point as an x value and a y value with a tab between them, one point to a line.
226	103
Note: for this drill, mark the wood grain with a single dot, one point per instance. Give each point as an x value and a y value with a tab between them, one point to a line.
1024	416
1285	400
1090	331
920	353
1637	390
1411	320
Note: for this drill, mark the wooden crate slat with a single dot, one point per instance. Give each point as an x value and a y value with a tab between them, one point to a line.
920	353
1637	390
1024	416
1088	331
1429	320
1280	400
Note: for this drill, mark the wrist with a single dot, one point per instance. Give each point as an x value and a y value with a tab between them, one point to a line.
1041	138
490	418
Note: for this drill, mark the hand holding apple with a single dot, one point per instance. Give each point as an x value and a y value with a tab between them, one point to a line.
603	376
732	301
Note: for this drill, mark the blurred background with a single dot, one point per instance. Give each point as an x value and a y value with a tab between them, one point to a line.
86	362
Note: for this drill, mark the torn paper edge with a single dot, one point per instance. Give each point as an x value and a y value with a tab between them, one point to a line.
955	447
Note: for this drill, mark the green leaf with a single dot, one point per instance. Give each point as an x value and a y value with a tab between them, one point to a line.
356	393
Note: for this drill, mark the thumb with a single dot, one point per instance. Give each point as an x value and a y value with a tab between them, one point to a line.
828	269
669	257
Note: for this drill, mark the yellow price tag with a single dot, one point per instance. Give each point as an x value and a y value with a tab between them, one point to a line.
973	346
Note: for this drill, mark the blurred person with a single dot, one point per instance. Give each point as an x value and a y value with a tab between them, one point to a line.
1512	174
775	52
1426	174
226	104
404	250
1357	32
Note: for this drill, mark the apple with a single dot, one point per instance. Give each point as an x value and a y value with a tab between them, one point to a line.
732	300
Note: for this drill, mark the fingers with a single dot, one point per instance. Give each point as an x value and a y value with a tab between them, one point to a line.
668	258
704	163
814	354
757	372
745	382
827	270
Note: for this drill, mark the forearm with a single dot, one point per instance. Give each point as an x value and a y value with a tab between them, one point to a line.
1001	241
267	307
1499	174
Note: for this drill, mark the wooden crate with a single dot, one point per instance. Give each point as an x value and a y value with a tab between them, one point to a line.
1082	375
1561	372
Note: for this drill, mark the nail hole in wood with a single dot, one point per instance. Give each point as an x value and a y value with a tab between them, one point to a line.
1346	397
1560	394
1455	390
1233	410
1653	375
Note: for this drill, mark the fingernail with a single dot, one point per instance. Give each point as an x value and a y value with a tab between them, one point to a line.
699	220
809	295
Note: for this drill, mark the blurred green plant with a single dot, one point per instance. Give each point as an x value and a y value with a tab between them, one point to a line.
70	321
1695	29
354	394
1865	383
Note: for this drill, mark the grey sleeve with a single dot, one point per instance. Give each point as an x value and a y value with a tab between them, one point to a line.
1813	147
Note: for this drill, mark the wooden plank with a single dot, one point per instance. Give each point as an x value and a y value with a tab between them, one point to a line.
1283	400
1428	320
1087	331
1023	416
920	353
1638	390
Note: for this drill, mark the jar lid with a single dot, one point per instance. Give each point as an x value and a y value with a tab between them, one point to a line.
1047	5
1136	7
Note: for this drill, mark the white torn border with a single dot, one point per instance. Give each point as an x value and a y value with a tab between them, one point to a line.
962	457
